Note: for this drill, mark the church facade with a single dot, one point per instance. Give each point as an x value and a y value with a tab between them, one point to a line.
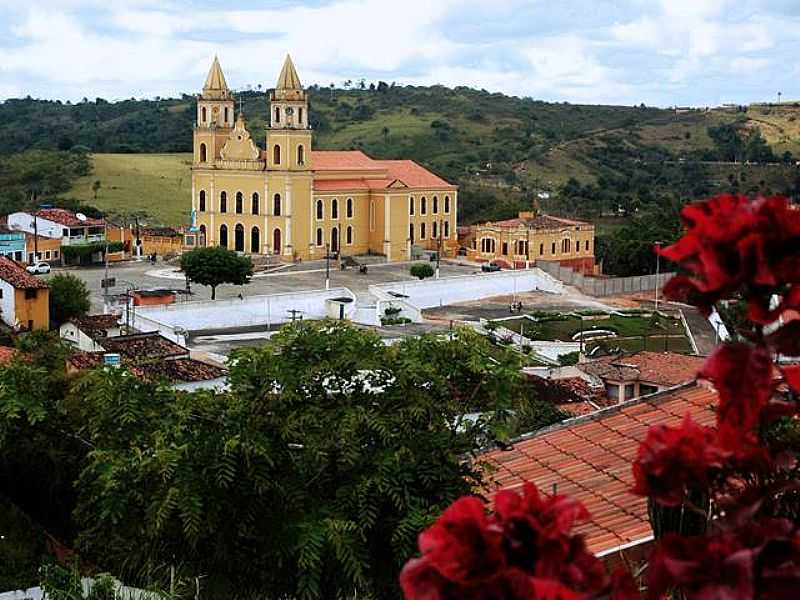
289	200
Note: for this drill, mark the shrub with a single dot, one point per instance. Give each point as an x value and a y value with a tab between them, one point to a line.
422	270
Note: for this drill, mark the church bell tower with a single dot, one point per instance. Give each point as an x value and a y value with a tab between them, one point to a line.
289	134
215	117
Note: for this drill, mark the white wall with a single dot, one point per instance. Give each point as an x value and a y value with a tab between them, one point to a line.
430	293
7	306
44	227
252	311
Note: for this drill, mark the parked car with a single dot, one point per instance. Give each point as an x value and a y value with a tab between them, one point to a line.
39	268
490	267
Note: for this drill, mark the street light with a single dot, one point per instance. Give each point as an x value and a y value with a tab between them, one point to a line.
658	270
327	267
439	243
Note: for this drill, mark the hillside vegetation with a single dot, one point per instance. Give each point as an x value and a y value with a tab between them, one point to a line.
595	162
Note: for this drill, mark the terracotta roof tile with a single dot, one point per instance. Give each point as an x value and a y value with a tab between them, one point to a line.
341	160
85	360
590	458
412	174
17	276
659	368
407	172
141	347
539	222
62	216
183	370
7	353
92	323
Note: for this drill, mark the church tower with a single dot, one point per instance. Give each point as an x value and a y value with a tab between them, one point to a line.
215	117
289	135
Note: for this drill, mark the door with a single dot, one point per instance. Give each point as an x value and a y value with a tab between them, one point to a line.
238	234
276	241
335	239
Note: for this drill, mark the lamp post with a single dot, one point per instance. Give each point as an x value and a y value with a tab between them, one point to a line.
527	248
327	266
658	270
438	248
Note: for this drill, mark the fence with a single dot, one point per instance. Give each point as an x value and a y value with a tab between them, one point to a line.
604	286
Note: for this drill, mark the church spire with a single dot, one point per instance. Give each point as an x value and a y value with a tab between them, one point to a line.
216	87
288	79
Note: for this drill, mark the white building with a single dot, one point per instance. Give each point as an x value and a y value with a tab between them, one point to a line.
88	333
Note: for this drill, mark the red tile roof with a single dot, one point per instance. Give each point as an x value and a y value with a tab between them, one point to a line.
341	160
589	458
412	174
142	347
658	368
65	217
324	185
183	370
406	172
95	323
85	360
539	222
17	276
7	353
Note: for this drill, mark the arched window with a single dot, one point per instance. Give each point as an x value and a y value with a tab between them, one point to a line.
435	230
301	155
223	236
300	116
447	229
319	236
423	206
411	232
223	202
276	241
335	239
349	234
447	205
411	205
422	231
277	114
202	238
320	209
239	202
254	208
541	249
255	240
276	205
553	248
276	154
238	237
226	115
334	209
349	208
203	153
566	246
202	203
436	205
587	245
204	116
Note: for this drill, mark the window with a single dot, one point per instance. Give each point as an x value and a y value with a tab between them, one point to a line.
65	232
226	114
334	209
276	241
204	116
301	155
55	253
239	202
423	206
411	232
238	238
612	391
254	204
629	393
435	230
277	114
320	210
47	254
202	202
223	202
422	231
276	154
1	293
319	236
436	205
587	245
335	239
645	389
349	208
411	205
505	248
447	205
553	248
300	116
566	246
541	249
447	229
203	156
276	205
255	240
488	245
349	234
202	237
223	236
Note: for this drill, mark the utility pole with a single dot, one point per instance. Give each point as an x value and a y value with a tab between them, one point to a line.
528	248
105	276
439	242
327	267
658	270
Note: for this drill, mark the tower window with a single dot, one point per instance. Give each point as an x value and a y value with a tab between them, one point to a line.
254	204
203	153
202	202
349	208
226	115
276	154
301	155
300	116
276	205
334	209
239	203
277	114
223	202
320	209
203	115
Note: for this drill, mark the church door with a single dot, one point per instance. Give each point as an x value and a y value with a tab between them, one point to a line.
276	241
239	238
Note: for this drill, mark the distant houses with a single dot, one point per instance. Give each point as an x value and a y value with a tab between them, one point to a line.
24	298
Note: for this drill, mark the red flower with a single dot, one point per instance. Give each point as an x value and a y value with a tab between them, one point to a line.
672	460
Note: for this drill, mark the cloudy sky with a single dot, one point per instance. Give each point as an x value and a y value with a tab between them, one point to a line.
661	52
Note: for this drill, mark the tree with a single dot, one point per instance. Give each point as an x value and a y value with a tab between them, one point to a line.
421	270
69	298
96	188
215	265
385	132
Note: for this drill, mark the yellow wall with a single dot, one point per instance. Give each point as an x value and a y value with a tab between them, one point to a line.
542	242
33	309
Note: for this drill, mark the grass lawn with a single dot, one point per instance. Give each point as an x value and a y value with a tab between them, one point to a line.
159	185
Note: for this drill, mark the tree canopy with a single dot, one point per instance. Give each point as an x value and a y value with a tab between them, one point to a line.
215	265
69	298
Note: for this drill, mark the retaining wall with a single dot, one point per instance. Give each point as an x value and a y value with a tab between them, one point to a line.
604	286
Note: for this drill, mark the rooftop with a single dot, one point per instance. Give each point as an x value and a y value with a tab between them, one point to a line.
658	368
92	323
590	458
85	360
539	222
183	370
6	353
160	231
378	174
17	276
65	217
144	346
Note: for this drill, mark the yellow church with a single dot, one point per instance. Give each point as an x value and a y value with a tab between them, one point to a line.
291	201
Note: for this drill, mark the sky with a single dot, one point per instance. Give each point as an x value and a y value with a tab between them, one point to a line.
660	52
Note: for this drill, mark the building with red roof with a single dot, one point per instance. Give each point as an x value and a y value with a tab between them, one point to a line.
24	298
61	228
284	198
532	237
590	459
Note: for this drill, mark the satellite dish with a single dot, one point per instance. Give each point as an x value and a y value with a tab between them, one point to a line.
80	216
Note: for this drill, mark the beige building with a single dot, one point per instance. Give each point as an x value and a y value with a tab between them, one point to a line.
289	200
530	238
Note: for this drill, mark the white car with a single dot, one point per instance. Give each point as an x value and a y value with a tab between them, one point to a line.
38	268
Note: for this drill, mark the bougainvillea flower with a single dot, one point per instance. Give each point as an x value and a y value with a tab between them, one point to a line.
742	374
672	460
